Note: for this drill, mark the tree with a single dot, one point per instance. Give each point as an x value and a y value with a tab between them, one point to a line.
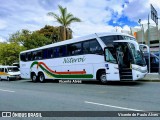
9	53
65	18
29	39
50	32
36	40
20	36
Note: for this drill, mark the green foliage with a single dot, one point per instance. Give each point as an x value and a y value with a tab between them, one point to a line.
36	40
29	39
50	32
9	53
65	18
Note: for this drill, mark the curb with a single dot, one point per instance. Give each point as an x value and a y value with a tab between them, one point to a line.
149	80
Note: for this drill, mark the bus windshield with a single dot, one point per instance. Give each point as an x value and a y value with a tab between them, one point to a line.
137	55
13	69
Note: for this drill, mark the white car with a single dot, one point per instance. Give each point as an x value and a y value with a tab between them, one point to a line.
9	72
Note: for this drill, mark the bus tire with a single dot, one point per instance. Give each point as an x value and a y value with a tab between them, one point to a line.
33	77
102	77
41	77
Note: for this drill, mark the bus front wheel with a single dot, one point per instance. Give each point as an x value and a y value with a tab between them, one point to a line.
102	77
34	77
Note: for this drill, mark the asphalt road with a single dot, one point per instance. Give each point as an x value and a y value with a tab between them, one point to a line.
24	95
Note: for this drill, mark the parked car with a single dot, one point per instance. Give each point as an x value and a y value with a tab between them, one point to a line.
157	54
154	62
9	72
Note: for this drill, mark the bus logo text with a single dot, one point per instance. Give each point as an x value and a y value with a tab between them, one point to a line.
74	60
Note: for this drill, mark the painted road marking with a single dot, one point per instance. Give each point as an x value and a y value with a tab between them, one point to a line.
6	90
112	106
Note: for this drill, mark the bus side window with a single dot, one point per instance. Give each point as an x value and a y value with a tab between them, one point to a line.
69	49
34	55
86	49
6	71
39	55
22	57
50	53
29	56
45	51
62	51
26	56
95	48
108	54
108	39
56	52
2	70
75	49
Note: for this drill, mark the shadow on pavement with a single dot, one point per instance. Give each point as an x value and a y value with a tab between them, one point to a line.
117	83
46	81
91	82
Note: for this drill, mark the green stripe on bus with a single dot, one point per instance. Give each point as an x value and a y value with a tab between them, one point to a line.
61	75
67	76
34	63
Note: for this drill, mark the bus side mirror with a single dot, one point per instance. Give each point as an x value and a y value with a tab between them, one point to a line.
144	48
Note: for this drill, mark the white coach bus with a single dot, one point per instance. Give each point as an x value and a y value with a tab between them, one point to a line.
100	56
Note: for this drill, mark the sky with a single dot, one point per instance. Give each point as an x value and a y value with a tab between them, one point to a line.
96	15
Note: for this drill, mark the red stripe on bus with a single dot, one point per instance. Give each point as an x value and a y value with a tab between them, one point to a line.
67	72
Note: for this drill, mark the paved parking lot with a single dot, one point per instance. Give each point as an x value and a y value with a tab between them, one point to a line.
23	95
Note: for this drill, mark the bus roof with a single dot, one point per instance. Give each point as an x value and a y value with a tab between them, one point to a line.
79	39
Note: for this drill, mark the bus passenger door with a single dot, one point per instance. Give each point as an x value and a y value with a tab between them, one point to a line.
126	70
112	69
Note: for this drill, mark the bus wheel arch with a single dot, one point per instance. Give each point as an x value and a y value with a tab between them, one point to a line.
33	77
41	77
101	76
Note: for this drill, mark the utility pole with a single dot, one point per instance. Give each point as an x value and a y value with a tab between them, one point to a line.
159	53
143	34
149	67
159	46
158	37
154	17
142	30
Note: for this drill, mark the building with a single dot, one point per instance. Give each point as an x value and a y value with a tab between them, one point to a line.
141	34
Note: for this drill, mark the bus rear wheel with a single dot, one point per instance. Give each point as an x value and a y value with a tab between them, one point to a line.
34	77
41	77
102	77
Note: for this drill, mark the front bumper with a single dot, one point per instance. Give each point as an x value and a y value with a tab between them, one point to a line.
15	77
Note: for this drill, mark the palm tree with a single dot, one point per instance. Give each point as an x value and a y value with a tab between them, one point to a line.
65	18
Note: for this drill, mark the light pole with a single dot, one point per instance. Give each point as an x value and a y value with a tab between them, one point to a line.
159	47
116	28
149	58
154	17
142	31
